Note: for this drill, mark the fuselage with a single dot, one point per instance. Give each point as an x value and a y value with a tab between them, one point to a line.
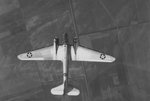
63	53
66	59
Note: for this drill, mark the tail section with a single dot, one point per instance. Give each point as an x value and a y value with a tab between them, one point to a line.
59	90
74	92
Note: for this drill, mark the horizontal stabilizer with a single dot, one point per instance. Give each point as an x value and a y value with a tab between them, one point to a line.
74	92
59	90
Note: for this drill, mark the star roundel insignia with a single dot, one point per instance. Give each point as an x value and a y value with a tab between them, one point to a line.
29	54
102	56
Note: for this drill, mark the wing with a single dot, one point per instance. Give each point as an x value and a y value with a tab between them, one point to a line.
42	54
85	54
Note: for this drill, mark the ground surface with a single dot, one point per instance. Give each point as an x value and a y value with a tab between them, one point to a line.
117	27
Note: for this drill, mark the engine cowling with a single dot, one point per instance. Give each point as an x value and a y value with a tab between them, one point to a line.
75	44
55	44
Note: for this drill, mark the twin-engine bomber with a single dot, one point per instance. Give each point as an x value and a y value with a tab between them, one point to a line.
66	53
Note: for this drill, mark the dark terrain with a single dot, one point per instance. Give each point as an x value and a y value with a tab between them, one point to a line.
120	28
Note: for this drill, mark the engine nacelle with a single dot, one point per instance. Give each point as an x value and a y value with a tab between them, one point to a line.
56	44
75	43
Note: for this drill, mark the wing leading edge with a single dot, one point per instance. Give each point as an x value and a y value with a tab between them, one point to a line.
85	54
